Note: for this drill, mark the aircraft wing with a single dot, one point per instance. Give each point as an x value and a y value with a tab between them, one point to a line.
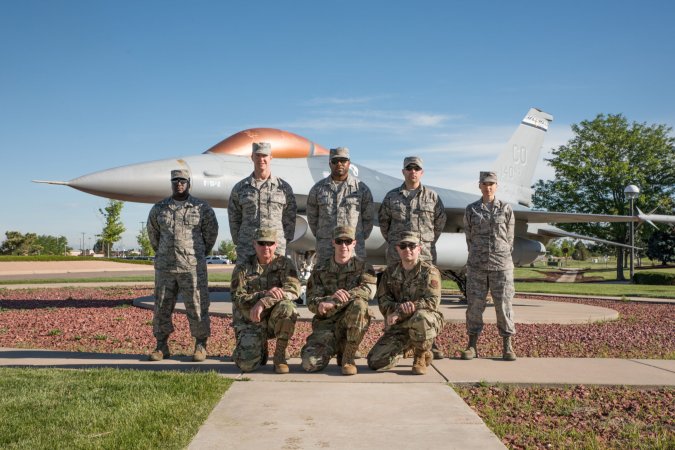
561	217
535	230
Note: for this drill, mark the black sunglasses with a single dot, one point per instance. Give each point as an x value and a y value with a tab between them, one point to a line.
265	243
179	181
411	168
410	245
344	241
335	161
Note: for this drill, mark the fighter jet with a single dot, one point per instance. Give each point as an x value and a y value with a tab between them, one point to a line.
302	163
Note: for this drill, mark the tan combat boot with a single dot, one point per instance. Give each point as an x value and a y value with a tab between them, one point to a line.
471	351
508	354
161	351
200	350
348	364
280	364
422	360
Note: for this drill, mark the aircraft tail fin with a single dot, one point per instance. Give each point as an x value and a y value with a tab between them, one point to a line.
516	164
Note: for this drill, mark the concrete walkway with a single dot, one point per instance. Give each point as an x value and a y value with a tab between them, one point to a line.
526	310
392	409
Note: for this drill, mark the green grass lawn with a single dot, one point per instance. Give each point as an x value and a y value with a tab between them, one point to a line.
104	408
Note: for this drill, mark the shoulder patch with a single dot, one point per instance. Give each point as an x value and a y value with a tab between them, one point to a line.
434	283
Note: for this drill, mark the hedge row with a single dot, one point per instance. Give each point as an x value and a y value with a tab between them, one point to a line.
660	278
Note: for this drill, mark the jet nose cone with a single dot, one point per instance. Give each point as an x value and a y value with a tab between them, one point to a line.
145	182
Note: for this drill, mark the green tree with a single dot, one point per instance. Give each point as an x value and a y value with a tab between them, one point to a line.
580	252
228	249
553	248
593	168
661	246
17	243
53	245
144	242
113	228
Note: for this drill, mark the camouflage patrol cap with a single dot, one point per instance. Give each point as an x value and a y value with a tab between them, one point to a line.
262	148
339	152
414	160
266	235
179	174
488	177
344	232
409	236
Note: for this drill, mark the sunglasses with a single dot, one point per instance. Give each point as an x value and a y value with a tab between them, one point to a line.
265	243
410	245
180	181
344	241
411	168
336	161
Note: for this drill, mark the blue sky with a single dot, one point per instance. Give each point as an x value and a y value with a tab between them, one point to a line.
89	85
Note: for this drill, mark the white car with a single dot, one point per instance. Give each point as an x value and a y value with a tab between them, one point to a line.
217	260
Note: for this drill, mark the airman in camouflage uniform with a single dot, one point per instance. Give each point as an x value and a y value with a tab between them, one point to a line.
409	295
412	207
489	228
261	200
264	288
338	292
182	230
339	199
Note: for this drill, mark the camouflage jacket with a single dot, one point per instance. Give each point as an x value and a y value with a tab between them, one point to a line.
250	208
348	203
423	213
422	286
181	233
356	276
250	281
489	235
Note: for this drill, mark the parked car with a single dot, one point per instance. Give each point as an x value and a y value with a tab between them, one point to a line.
217	260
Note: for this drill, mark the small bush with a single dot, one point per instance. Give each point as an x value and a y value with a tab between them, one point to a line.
661	278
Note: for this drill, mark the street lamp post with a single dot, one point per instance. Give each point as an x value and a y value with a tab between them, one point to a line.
632	192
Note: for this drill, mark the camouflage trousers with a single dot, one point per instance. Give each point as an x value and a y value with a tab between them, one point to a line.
329	335
324	249
278	322
192	288
500	284
417	332
428	253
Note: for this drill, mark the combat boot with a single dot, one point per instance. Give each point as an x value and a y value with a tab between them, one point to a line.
161	351
422	360
348	364
471	351
508	354
280	364
200	350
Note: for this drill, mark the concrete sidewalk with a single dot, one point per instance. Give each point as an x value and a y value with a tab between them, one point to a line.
392	409
526	310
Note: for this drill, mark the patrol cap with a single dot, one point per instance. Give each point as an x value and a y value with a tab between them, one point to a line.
339	152
266	235
344	232
262	148
180	174
409	236
488	177
413	160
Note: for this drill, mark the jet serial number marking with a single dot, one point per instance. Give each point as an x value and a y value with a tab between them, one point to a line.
212	183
